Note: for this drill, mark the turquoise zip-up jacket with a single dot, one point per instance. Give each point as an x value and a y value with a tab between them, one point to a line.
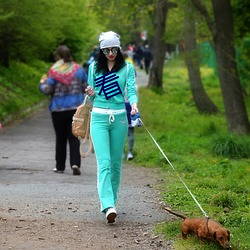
126	82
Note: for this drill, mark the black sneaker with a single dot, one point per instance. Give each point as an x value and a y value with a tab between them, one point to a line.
76	170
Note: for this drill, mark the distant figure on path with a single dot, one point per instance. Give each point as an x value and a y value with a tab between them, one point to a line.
147	54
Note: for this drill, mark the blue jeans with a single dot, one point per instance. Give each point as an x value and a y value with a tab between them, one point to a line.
108	139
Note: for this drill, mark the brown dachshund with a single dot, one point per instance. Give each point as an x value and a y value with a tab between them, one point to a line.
204	229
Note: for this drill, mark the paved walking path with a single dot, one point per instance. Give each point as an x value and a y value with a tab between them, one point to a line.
30	190
141	78
26	163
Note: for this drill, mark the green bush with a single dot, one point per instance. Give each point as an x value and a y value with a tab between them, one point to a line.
19	88
231	146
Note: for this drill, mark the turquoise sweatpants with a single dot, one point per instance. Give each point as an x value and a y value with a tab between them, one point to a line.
108	138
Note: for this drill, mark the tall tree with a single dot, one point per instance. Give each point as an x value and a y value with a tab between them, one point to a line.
201	99
223	38
125	17
159	44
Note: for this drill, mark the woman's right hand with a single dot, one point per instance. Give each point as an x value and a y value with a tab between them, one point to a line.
90	91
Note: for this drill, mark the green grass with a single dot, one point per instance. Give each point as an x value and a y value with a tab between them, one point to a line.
214	164
19	88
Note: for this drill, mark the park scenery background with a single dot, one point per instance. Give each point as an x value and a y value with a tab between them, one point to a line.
207	149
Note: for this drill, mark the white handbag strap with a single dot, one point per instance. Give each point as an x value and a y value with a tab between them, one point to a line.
85	99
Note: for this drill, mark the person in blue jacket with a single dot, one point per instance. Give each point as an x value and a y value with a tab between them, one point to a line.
65	83
108	77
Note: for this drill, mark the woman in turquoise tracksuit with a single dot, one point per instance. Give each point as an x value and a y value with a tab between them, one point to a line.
108	78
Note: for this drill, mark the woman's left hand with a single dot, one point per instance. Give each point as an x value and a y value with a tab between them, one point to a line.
134	109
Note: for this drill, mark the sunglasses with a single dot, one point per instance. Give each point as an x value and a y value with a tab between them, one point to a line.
106	51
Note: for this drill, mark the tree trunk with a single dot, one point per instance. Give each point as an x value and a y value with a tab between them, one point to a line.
223	38
201	99
159	47
235	109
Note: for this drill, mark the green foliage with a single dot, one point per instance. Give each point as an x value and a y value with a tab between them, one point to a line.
29	33
241	17
231	146
219	183
170	230
224	200
243	59
175	25
19	87
128	18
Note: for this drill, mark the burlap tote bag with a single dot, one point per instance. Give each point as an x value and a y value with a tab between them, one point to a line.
81	126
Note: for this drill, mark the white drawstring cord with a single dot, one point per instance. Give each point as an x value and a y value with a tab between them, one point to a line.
111	117
175	170
109	112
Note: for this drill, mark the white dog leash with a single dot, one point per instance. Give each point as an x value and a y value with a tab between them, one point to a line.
174	170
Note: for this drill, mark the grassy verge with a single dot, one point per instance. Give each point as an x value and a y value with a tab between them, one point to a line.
213	164
19	89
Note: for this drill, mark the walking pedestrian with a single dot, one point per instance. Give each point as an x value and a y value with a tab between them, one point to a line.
147	54
65	84
109	123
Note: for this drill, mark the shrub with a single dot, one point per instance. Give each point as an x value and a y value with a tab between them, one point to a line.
231	146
